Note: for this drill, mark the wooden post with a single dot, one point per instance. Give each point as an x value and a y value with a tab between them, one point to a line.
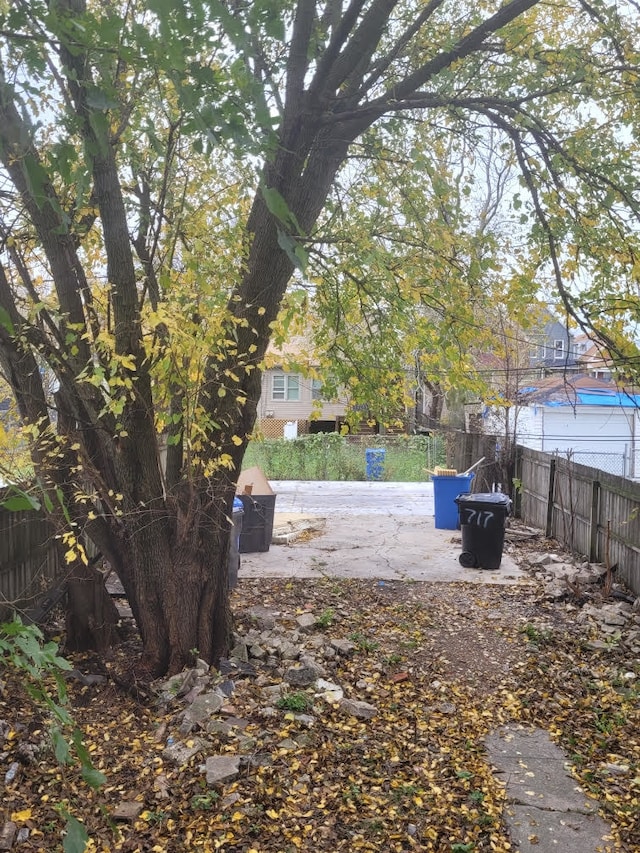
593	521
517	476
550	496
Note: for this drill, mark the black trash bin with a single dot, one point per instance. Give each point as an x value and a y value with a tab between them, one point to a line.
483	518
257	524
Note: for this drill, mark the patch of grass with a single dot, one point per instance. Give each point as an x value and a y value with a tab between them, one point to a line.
537	636
330	456
352	793
363	642
205	801
296	701
155	817
326	618
403	791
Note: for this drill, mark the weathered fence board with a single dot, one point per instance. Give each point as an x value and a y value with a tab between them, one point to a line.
28	558
464	449
590	512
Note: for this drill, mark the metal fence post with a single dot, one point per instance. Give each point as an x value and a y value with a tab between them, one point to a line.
593	521
550	494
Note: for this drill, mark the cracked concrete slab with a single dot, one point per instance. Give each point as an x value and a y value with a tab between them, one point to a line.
546	809
541	831
371	530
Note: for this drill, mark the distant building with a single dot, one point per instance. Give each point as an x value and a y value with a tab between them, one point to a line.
292	399
592	421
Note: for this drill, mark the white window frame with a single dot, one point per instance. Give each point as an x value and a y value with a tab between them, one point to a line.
558	349
289	392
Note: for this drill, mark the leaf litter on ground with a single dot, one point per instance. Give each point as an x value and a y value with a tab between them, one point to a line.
443	665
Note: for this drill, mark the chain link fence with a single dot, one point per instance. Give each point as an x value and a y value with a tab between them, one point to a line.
613	463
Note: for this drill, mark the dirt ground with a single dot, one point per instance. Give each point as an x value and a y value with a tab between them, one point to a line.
442	664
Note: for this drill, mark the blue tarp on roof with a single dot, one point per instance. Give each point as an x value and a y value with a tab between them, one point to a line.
597	398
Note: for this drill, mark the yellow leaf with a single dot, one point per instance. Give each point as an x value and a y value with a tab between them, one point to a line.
18	817
272	813
236	440
237	816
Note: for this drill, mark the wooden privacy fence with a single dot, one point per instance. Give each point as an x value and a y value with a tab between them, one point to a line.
28	558
464	449
590	512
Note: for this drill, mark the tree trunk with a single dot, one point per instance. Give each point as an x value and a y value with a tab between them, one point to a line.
91	616
174	570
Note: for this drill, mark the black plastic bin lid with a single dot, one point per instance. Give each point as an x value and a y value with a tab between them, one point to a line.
483	498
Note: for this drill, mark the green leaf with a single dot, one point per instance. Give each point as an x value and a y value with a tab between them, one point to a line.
93	777
19	501
5	321
36	178
76	836
63	505
295	252
61	747
279	207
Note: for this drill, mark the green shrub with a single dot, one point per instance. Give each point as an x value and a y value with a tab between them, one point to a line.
330	456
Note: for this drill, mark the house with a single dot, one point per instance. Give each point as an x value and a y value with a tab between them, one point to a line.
591	420
591	358
551	347
292	400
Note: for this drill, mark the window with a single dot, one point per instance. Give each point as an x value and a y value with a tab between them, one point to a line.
558	349
286	386
316	389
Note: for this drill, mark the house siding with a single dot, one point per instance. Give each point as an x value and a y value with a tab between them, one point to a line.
304	409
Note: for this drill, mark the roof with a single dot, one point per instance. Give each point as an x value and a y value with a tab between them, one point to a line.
578	390
296	350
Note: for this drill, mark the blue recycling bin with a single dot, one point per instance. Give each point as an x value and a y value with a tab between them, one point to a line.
374	462
234	546
445	492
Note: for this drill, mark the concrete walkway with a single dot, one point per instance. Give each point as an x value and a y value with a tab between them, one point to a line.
372	530
546	809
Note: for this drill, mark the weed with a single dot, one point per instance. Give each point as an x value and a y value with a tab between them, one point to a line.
476	797
463	848
352	792
608	723
155	817
404	791
293	702
325	619
363	642
330	456
204	802
537	636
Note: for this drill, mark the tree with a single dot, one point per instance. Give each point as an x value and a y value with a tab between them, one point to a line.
416	261
152	305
